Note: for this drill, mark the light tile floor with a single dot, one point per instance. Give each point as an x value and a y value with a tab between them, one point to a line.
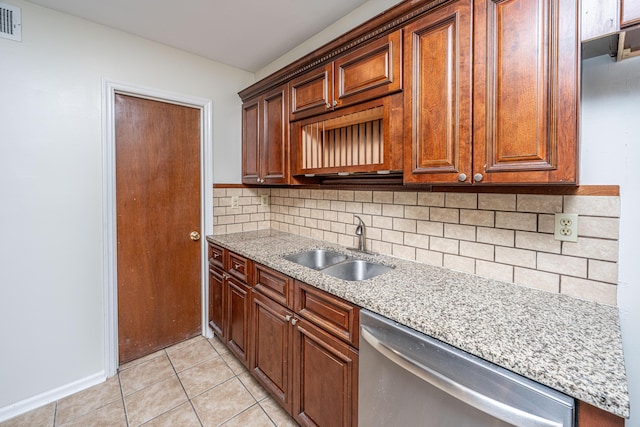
194	383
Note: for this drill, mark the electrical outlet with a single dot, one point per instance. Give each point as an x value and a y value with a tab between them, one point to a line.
264	200
566	227
235	203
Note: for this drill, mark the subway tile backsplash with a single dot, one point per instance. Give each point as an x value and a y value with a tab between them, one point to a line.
507	237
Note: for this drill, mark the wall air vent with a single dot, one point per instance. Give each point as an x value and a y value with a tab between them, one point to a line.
10	22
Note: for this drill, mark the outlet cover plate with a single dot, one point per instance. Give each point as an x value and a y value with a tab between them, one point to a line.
264	200
235	202
566	227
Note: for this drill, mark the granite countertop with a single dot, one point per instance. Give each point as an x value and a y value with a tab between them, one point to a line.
570	345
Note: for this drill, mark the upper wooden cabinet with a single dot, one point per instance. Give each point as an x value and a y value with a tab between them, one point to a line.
526	92
365	73
629	12
599	18
488	89
364	138
437	107
265	138
604	17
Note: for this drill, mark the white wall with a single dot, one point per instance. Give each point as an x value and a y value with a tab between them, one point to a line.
348	22
610	152
51	225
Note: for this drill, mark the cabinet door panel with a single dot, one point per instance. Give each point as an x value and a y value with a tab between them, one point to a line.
326	384
369	72
311	93
275	144
438	112
629	12
250	142
270	348
237	314
599	18
216	298
526	94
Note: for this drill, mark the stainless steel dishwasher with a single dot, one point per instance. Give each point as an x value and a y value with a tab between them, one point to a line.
409	379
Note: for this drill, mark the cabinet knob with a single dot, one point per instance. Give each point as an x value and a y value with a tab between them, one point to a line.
477	177
335	102
294	321
287	317
462	177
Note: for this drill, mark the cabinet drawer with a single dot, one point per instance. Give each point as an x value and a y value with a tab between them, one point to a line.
311	93
216	255
331	313
273	284
372	71
238	266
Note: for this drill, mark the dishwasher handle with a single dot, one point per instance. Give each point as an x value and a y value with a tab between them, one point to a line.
467	395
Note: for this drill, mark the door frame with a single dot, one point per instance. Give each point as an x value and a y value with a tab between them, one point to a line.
110	273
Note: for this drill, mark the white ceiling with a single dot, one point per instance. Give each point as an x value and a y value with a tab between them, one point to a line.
246	34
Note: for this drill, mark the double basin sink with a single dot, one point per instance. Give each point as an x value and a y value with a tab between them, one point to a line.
338	265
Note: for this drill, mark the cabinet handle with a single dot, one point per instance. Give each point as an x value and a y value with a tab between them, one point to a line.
294	321
462	177
287	317
477	177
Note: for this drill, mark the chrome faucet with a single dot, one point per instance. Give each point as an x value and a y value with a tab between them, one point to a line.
361	233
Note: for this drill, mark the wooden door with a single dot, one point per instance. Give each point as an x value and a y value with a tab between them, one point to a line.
438	109
526	91
271	347
157	207
325	372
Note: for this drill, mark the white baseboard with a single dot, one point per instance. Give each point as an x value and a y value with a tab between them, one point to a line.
42	399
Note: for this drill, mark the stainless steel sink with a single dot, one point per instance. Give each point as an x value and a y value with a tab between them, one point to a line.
356	270
317	258
338	265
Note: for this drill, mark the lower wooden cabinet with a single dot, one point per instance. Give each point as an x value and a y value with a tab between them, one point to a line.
325	378
230	301
238	308
270	361
311	371
216	298
300	342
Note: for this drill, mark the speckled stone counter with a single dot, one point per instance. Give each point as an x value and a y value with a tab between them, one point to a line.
570	345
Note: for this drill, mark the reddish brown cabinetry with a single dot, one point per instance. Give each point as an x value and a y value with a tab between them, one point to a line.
369	72
629	13
329	399
437	106
265	138
300	355
271	347
229	299
526	91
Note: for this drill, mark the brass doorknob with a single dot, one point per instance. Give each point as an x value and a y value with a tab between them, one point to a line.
195	236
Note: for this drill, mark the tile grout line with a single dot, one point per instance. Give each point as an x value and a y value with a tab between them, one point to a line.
124	404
